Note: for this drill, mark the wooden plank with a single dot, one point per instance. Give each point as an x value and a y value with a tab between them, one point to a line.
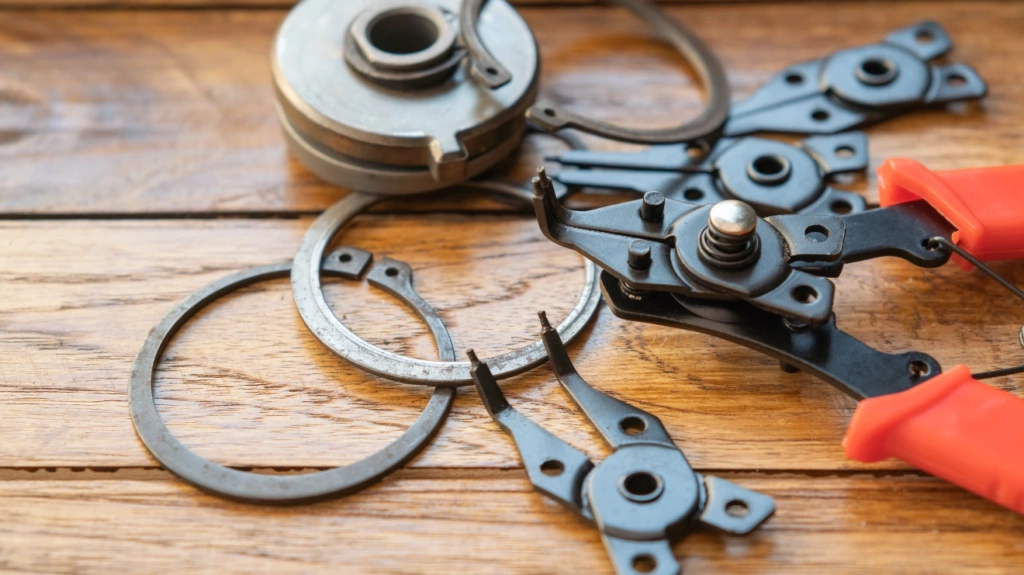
164	4
490	524
130	112
245	384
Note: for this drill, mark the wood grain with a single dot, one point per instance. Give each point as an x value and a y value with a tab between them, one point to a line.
281	4
245	384
140	160
490	523
170	112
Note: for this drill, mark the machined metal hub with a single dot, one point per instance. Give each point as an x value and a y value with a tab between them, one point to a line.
378	96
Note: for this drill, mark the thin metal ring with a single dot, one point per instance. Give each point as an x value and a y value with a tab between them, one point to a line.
483	66
326	327
707	126
255	487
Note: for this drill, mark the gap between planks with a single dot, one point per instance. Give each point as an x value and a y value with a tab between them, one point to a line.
483	473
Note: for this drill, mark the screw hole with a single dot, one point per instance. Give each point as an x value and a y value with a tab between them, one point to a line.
820	115
923	36
644	564
550	112
956	80
632	425
816	233
552	467
693	194
345	258
845	152
492	71
794	79
391	272
931	245
737	509
641	484
918	369
841	207
805	294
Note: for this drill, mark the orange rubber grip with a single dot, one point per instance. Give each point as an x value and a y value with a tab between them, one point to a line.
952	426
986	205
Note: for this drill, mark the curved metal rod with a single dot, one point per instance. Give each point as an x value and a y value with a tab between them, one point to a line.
482	66
938	241
705	127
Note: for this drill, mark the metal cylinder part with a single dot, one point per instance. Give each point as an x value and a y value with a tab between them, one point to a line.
378	96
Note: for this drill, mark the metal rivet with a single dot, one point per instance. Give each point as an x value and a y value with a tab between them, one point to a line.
653	207
639	255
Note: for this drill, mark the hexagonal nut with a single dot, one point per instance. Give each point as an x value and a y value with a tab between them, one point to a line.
403	35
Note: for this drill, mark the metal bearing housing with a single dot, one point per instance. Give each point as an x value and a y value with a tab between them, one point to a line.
379	96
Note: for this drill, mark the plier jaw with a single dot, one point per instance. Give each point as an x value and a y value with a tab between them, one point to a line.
773	177
859	86
949	424
779	264
644	495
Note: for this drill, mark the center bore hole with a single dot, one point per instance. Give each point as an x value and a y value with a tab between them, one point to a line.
876	67
769	165
640	483
403	33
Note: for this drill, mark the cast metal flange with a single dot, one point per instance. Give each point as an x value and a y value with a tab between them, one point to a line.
382	96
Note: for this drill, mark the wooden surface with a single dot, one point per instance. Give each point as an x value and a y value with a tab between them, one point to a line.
219	4
140	159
